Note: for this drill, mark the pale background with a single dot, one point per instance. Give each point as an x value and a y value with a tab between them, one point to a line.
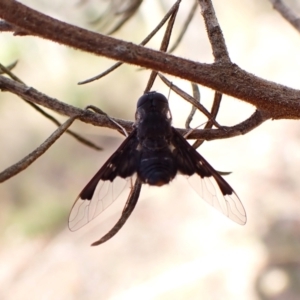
174	246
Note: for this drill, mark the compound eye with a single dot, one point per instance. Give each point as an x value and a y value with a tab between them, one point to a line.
142	100
151	97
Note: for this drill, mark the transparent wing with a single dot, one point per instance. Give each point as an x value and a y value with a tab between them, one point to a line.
207	182
84	210
128	209
229	204
107	183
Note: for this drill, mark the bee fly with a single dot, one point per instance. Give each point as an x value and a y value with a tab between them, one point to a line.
155	152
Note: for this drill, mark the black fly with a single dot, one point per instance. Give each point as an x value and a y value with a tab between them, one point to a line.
155	152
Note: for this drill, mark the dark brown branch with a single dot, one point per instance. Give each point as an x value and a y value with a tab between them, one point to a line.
280	101
214	32
287	13
256	119
32	95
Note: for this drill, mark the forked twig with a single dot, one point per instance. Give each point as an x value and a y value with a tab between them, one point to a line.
34	155
101	112
220	52
32	95
189	99
214	112
45	114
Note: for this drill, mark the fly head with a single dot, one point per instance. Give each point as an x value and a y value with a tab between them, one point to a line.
152	103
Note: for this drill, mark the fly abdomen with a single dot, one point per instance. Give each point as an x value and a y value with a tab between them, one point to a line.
158	169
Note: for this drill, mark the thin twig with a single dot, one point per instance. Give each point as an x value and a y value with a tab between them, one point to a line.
220	52
127	14
128	209
78	137
5	70
101	112
189	99
214	32
215	109
143	43
164	46
34	155
113	10
185	26
197	96
280	101
256	119
32	95
214	112
287	13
